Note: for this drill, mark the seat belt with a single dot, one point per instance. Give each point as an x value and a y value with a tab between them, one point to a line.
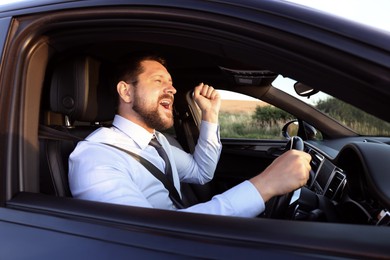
173	194
55	134
46	132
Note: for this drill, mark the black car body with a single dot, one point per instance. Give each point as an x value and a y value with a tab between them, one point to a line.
255	40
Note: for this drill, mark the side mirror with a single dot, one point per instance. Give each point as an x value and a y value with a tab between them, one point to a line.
304	90
292	128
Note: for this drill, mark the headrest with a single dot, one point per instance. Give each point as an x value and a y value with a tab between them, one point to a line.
78	91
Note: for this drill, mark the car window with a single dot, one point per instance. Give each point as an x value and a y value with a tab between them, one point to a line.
242	116
354	118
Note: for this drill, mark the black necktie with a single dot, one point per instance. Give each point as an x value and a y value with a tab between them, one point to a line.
168	169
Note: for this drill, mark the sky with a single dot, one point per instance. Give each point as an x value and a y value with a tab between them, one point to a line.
371	12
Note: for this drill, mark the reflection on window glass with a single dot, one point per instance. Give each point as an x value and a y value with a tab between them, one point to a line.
248	118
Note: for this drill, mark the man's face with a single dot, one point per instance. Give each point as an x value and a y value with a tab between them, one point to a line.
153	96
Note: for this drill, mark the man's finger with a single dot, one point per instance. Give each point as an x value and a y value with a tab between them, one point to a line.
198	89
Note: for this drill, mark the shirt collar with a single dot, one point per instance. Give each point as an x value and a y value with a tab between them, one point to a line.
139	134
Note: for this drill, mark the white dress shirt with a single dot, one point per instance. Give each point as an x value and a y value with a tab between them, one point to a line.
102	173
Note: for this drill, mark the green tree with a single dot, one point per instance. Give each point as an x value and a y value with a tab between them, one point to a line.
354	118
270	116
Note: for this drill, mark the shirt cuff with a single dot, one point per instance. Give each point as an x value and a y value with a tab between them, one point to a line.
245	199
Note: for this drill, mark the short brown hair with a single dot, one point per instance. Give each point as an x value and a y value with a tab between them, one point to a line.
130	67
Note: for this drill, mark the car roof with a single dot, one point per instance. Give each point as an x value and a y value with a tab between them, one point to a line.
313	31
248	10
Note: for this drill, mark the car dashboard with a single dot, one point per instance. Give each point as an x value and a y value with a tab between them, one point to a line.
352	187
325	178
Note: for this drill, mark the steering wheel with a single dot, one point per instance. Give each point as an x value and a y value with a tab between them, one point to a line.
278	206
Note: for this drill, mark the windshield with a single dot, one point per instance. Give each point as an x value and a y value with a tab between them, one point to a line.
350	116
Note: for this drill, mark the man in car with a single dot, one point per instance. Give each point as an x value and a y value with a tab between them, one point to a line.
100	172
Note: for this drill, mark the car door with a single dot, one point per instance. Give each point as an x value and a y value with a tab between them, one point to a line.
33	225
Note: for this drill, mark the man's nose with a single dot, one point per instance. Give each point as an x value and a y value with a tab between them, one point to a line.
170	89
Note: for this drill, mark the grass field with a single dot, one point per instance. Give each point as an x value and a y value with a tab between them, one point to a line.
240	106
236	121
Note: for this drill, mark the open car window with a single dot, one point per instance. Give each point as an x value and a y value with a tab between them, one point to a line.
244	117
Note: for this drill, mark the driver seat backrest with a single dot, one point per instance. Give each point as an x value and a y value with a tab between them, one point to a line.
80	101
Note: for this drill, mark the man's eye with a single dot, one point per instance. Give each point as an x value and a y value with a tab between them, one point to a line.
158	80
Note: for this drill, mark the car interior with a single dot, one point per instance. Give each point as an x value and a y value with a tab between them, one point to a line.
56	87
80	99
69	93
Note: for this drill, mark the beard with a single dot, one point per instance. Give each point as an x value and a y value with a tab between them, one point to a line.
151	115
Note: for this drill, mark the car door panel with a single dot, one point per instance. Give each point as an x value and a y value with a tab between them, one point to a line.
36	226
243	159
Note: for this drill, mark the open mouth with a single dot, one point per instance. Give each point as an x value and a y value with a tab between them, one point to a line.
167	104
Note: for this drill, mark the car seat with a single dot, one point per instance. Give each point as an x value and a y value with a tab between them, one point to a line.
80	102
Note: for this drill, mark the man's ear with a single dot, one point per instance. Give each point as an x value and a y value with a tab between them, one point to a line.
124	91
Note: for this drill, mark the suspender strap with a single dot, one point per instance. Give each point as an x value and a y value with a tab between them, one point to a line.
173	194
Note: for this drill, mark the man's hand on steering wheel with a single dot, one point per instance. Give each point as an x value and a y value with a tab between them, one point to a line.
287	173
